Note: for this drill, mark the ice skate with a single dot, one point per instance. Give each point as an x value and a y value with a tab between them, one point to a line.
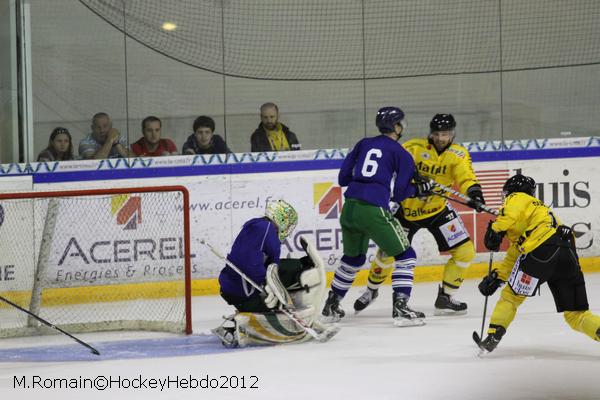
332	311
490	343
365	299
404	315
445	304
227	332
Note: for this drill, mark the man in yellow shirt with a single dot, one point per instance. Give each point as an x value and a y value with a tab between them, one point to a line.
541	250
272	135
437	158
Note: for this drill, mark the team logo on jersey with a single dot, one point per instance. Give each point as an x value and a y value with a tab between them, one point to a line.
425	156
525	279
127	209
327	197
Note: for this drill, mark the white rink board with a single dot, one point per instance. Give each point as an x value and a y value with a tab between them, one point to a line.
220	204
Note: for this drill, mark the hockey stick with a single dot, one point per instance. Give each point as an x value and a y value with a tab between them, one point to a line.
319	337
452	199
462	196
81	342
479	338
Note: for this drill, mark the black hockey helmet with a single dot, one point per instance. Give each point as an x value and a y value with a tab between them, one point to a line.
519	183
442	122
387	117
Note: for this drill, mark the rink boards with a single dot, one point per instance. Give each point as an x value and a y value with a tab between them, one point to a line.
225	191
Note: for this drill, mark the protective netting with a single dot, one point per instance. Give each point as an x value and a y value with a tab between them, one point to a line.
353	39
95	262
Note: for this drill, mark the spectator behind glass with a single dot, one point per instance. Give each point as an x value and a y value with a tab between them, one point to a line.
203	140
151	144
272	135
60	146
104	141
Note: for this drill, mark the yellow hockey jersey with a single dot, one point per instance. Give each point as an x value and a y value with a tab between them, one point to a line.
526	220
453	166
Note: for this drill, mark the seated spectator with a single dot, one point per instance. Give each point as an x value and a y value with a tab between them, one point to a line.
203	140
151	144
104	141
272	135
60	146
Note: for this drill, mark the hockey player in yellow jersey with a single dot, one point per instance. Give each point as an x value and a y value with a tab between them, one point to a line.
541	250
438	158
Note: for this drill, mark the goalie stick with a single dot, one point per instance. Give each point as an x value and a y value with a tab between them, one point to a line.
322	337
81	342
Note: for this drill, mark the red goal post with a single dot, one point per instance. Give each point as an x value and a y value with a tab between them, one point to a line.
96	260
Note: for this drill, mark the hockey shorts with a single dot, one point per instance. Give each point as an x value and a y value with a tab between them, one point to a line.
446	227
362	221
555	261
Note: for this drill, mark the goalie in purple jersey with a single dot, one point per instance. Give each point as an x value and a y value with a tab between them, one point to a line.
369	170
298	284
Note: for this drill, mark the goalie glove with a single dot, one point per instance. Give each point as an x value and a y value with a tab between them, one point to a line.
274	289
476	195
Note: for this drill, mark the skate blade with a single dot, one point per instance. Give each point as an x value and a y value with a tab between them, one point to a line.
443	311
403	322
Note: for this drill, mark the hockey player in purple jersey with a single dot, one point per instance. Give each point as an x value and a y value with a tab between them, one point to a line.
298	283
369	170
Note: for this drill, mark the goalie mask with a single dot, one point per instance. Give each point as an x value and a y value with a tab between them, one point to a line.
283	215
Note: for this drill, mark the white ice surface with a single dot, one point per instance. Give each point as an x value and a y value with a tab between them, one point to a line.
539	358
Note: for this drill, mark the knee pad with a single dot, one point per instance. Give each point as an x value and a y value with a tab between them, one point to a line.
463	254
508	295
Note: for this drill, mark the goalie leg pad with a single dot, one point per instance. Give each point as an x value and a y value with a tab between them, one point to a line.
256	329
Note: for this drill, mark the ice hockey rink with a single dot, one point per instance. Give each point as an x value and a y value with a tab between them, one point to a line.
539	358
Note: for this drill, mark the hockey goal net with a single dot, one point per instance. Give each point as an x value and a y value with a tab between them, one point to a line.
96	260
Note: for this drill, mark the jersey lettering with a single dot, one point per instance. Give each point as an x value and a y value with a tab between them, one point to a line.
370	165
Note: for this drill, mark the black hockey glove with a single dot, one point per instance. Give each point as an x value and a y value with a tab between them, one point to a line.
476	195
492	238
423	185
423	189
490	283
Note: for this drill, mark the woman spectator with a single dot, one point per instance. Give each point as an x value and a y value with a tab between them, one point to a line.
60	146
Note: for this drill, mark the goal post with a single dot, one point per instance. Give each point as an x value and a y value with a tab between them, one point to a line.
96	259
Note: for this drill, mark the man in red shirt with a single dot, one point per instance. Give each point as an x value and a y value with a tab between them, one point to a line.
151	145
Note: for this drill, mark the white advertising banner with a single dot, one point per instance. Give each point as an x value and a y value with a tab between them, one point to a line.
91	252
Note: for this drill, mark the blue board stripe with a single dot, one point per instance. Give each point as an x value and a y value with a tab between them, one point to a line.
284	166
